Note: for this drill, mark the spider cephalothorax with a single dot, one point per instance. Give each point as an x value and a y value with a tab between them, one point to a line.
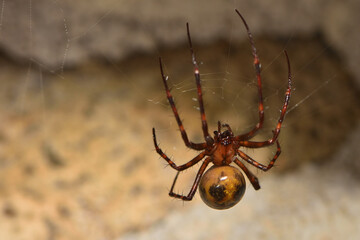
224	148
222	186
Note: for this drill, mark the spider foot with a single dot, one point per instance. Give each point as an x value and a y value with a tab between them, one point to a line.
182	197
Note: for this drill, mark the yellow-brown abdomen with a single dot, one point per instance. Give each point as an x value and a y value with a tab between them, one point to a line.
222	187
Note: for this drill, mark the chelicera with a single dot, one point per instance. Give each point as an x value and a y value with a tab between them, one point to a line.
222	186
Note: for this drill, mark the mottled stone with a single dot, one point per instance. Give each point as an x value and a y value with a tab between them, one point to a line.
58	34
77	159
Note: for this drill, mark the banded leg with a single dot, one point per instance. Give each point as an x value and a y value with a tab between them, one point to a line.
257	66
252	178
259	165
198	86
192	192
276	132
195	146
171	163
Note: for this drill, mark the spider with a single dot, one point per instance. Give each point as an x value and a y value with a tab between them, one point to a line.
222	186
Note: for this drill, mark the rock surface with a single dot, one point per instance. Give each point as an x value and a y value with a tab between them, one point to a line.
77	159
58	34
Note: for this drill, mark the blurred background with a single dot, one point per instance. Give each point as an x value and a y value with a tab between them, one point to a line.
80	90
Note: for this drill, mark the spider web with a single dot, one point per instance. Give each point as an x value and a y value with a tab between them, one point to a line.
230	96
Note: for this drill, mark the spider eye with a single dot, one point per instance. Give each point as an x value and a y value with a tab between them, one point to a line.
222	187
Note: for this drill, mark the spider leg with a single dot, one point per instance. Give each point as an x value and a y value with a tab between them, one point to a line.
195	146
171	163
257	66
276	132
199	91
252	178
259	165
195	185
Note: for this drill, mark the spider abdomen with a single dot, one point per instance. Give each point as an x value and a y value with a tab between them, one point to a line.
222	187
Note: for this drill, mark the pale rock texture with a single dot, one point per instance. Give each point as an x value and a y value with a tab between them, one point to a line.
64	33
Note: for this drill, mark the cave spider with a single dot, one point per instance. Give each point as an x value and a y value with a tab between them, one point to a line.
222	186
